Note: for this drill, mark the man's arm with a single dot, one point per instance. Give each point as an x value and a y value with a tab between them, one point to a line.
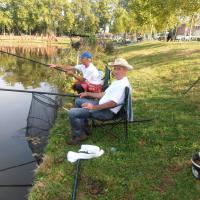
65	68
89	106
92	94
69	70
77	77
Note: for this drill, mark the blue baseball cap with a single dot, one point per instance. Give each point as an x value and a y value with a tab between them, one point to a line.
86	54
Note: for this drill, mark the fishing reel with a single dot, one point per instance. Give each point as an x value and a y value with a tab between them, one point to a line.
196	165
76	45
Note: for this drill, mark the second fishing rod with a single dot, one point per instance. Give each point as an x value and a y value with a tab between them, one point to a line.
34	61
75	45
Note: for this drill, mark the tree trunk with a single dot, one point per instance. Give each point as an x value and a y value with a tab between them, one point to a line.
4	30
191	25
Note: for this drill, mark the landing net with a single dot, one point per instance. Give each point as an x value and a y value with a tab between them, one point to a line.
41	117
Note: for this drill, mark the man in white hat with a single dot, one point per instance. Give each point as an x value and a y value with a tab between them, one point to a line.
106	108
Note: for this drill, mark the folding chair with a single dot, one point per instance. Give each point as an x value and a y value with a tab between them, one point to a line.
122	117
106	78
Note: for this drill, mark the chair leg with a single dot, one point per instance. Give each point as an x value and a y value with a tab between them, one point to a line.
104	134
93	124
124	122
126	130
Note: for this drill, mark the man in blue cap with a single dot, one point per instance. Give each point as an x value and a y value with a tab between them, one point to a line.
90	78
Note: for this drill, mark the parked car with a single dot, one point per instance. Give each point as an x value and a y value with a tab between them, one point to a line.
183	38
195	37
161	36
180	37
188	38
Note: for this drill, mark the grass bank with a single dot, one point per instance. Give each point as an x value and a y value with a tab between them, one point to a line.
155	164
29	40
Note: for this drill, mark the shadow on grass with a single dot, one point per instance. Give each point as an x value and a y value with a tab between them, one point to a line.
163	58
154	164
137	47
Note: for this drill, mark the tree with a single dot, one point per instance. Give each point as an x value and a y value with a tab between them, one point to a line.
105	11
68	19
5	17
190	9
85	19
120	22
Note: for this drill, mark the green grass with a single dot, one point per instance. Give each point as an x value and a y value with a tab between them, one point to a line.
155	164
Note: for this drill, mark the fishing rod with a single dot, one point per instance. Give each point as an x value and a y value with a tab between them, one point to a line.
47	65
76	180
78	35
38	92
192	86
16	166
17	185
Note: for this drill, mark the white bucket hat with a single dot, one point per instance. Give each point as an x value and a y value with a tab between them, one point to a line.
121	62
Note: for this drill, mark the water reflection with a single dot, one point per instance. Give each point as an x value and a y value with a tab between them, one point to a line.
22	71
14	148
46	52
13	69
14	107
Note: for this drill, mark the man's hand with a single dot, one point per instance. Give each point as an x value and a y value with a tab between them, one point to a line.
83	94
88	106
94	95
70	72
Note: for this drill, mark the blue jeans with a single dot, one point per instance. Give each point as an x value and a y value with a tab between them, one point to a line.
78	116
80	101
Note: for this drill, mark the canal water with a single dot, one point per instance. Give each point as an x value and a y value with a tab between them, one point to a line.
17	162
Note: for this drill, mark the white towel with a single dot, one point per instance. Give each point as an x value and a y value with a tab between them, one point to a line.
86	152
89	148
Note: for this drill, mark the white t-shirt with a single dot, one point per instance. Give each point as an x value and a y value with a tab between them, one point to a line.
115	92
90	73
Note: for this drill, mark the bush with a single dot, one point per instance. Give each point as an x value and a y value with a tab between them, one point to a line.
109	47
